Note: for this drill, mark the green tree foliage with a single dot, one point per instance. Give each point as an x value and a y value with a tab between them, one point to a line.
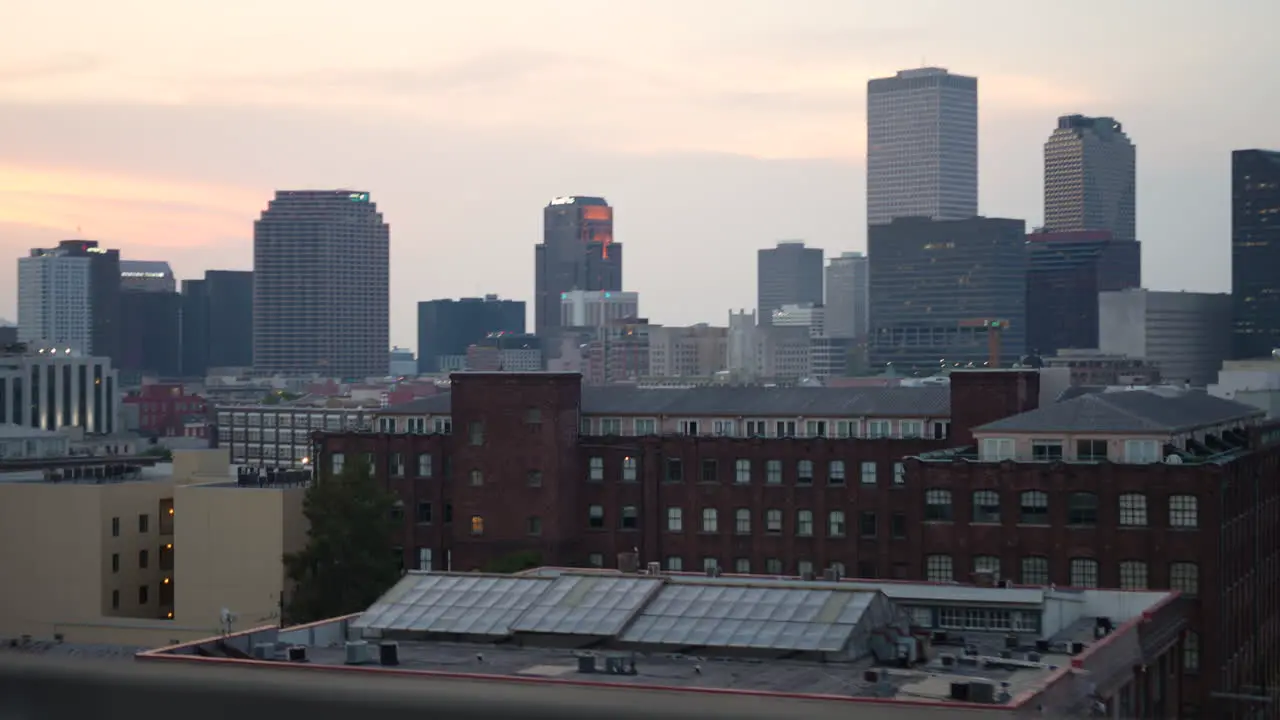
347	563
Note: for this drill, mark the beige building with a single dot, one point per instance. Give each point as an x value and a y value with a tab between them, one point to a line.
146	559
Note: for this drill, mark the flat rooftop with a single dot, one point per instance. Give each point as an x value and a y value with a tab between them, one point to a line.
114	471
910	643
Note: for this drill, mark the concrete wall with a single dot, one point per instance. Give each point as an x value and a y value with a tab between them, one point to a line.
1187	334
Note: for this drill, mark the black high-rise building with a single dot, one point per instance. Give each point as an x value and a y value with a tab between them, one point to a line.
577	252
936	284
150	335
1255	252
217	321
446	328
1065	273
789	274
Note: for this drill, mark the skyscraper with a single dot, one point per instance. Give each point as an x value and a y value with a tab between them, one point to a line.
1090	178
848	300
922	146
150	321
320	285
789	274
1065	273
1255	252
217	322
446	328
70	296
577	252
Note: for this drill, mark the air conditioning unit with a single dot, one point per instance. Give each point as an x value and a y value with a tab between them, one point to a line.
297	653
358	652
654	568
264	651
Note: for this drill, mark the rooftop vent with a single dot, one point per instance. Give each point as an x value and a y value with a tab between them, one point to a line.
389	653
297	653
653	568
982	692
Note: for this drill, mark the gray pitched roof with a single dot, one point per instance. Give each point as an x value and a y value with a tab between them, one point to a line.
933	402
1155	410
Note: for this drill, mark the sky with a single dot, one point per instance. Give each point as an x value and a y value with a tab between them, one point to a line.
714	127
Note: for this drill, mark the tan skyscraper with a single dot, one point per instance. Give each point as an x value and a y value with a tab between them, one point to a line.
1090	177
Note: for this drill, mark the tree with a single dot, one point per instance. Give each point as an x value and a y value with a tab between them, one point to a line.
347	563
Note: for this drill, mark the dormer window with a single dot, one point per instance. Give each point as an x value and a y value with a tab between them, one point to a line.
1141	452
998	449
1046	450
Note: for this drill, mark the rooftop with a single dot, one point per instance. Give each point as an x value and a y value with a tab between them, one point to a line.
914	402
829	640
1162	410
99	470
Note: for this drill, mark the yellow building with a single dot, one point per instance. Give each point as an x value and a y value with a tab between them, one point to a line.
147	559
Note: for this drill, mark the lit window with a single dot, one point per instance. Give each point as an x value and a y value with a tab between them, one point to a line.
938	568
1084	573
1133	510
477	525
628	469
1133	575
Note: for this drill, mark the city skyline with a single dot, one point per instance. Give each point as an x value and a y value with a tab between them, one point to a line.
107	141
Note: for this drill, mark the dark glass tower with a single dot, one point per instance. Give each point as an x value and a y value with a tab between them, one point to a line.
1255	252
217	322
449	327
321	285
577	252
789	274
1066	271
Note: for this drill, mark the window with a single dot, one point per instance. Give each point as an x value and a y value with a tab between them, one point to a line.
675	563
1084	573
986	506
115	599
710	471
937	505
143	559
144	523
1133	510
742	521
630	517
675	470
337	461
710	522
724	428
804	569
710	564
898	526
595	560
867	524
595	517
535	525
442	425
475	431
742	566
595	469
144	594
835	472
911	428
477	478
785	428
477	525
1033	508
534	478
773	566
756	428
877	428
937	568
835	524
424	513
1082	509
688	427
115	562
847	428
115	527
742	471
1183	511
987	564
997	449
1184	577
1035	570
1141	452
773	472
610	426
628	469
675	519
397	465
1046	450
1191	652
899	473
815	428
424	465
1091	450
646	426
773	520
804	472
804	523
868	472
1133	575
838	567
371	462
533	416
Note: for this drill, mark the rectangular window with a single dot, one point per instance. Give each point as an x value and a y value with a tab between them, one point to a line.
675	470
1141	452
475	431
742	471
535	525
938	568
773	472
595	467
835	472
688	427
630	517
867	524
1033	508
477	525
710	471
742	521
534	478
595	560
847	428
1184	577
144	594
773	520
937	505
595	517
773	566
1133	510
1091	450
986	506
877	428
115	527
424	513
911	428
899	473
675	519
998	450
785	428
804	523
835	524
115	562
610	426
477	478
815	428
1183	511
628	469
584	426
710	522
804	472
442	426
898	526
869	472
646	426
675	563
397	465
1046	450
804	569
1133	575
724	428
424	465
1084	573
115	599
756	428
1035	571
144	523
742	566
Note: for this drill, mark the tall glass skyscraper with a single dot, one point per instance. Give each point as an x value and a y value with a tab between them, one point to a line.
1255	252
321	289
1090	182
922	146
577	252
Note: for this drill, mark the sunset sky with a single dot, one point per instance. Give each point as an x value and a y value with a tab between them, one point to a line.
715	127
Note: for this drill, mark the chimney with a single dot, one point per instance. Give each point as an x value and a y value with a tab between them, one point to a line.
979	397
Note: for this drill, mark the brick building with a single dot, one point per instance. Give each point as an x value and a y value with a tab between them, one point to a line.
975	481
167	410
